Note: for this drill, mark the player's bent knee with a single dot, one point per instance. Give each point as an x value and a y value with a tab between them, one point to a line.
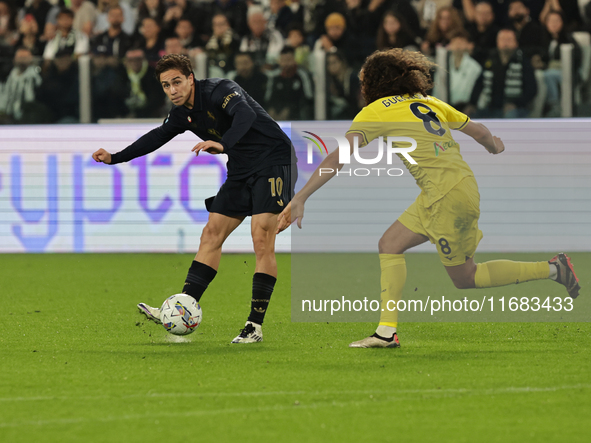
463	284
388	246
211	237
463	281
262	246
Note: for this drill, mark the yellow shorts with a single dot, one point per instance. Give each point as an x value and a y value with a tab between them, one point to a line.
451	223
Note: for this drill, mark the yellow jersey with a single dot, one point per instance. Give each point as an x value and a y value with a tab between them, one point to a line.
428	121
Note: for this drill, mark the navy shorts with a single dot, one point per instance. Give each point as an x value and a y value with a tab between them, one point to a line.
266	191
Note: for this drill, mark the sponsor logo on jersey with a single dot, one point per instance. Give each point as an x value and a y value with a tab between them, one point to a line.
229	97
210	115
442	146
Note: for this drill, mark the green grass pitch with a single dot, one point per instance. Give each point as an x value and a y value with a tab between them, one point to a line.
79	364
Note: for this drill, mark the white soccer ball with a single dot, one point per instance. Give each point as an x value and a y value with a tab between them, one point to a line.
180	314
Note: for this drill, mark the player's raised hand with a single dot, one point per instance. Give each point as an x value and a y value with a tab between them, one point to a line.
208	146
499	145
102	156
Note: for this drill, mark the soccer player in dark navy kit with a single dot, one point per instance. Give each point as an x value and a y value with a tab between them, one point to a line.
260	182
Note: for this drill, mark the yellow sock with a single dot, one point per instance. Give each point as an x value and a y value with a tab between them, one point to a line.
505	272
392	280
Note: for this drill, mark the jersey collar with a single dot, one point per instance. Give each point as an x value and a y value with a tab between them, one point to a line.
197	99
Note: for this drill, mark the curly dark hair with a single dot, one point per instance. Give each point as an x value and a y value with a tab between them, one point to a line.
395	72
179	62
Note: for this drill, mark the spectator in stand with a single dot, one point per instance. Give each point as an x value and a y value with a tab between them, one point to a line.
427	10
280	16
337	38
447	23
146	97
530	34
289	90
377	9
499	7
39	9
185	32
361	25
358	19
172	45
296	40
85	15
297	8
223	44
570	12
508	83
463	73
343	93
108	84
182	9
483	30
235	10
394	33
264	43
29	36
66	40
8	30
151	41
114	42
17	97
321	10
151	8
59	90
102	20
556	35
248	77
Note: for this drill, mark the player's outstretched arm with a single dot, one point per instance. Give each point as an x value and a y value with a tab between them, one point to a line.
102	156
482	135
323	173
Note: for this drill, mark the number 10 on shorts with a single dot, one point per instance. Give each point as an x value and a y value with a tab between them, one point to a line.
276	186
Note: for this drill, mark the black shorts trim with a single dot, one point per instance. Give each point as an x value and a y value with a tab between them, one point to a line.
266	191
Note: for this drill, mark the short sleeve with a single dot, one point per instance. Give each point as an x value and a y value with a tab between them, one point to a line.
455	119
368	124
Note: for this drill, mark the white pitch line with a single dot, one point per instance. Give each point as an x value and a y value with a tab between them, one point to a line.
490	391
293	407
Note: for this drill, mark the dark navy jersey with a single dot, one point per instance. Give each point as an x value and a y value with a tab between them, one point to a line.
223	112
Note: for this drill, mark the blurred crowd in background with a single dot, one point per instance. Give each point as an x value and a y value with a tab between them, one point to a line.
504	55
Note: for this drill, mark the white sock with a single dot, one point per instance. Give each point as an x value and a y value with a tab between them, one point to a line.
385	331
553	271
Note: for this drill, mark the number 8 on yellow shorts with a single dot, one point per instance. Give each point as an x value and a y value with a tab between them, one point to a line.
451	223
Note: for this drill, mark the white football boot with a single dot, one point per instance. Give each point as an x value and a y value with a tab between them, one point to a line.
252	333
152	314
376	341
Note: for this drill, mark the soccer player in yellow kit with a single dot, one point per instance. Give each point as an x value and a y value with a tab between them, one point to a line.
394	84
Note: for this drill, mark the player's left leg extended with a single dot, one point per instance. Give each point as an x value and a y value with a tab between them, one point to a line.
263	227
506	272
456	236
496	273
